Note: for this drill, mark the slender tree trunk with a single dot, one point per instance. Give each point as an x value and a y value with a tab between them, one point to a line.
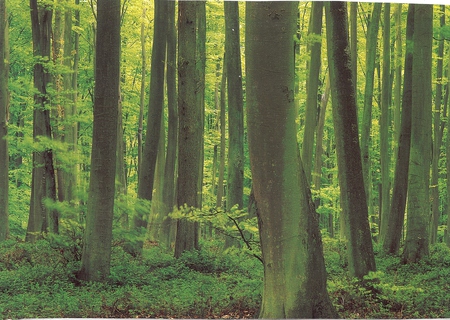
437	137
391	242
190	127
169	192
4	115
417	241
222	116
315	30
294	270
43	186
384	120
155	108
372	38
142	93
95	261
354	205
398	76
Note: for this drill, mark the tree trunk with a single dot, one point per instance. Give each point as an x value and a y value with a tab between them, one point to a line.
96	256
391	242
354	44
235	180
315	48
437	138
354	205
384	120
294	270
155	108
190	127
43	186
416	243
169	192
371	50
4	115
222	116
142	93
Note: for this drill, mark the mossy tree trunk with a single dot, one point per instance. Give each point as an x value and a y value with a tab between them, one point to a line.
417	232
294	270
351	182
96	256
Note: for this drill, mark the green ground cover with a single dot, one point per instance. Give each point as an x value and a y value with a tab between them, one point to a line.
39	280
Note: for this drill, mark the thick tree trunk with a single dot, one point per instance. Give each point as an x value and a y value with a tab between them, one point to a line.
391	242
190	128
96	257
294	270
417	241
315	49
4	107
351	182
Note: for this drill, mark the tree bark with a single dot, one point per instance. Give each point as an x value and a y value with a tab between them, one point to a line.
96	256
294	270
417	234
351	182
391	242
190	127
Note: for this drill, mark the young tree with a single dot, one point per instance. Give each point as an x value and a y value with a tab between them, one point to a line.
43	185
4	106
391	239
190	127
96	256
416	243
351	182
294	270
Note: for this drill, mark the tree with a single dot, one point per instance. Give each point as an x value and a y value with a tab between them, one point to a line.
96	256
235	180
437	136
155	108
43	186
190	127
315	48
416	243
4	109
384	119
391	239
294	270
360	252
371	50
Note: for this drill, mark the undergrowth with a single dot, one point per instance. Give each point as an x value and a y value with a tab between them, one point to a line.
38	280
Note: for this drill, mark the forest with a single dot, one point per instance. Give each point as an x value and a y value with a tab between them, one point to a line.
224	159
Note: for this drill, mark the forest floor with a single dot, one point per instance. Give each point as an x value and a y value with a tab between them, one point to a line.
38	280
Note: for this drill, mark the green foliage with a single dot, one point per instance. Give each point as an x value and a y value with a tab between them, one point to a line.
34	282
